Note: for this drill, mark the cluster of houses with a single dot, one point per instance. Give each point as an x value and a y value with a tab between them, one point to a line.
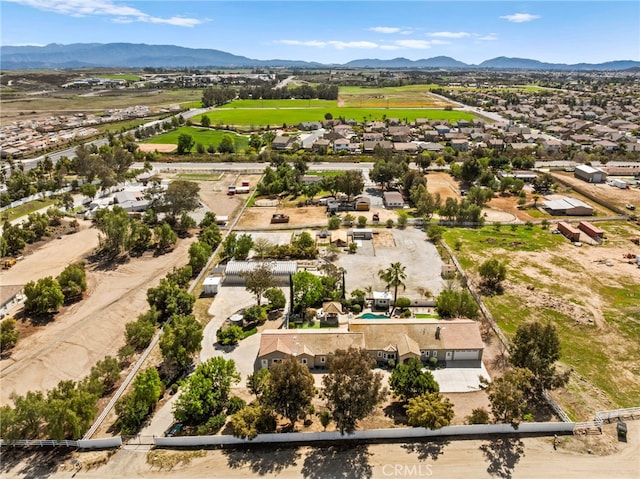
23	137
420	135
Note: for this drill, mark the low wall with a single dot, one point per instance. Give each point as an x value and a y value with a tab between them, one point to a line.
103	443
367	435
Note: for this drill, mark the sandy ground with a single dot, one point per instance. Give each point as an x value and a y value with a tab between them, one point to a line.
498	456
213	194
159	147
51	258
85	332
610	194
260	217
443	183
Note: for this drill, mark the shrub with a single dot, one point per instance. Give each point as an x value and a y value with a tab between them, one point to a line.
212	426
235	404
334	222
254	314
478	416
356	308
230	335
390	223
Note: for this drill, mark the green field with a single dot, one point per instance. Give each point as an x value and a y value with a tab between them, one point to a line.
204	136
546	282
261	117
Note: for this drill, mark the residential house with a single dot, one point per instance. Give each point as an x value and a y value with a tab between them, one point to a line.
382	300
393	199
282	143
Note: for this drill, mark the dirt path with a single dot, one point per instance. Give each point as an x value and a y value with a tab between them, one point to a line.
506	458
70	345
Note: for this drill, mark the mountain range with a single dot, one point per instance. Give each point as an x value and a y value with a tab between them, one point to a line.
130	55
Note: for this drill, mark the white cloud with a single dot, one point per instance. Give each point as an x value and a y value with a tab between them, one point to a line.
121	13
440	42
450	34
385	29
488	38
337	44
520	17
389	47
415	44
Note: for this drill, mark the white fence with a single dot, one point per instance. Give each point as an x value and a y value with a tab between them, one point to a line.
617	414
104	443
367	435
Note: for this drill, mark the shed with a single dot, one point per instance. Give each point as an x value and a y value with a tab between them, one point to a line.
448	270
212	284
362	234
281	270
569	231
590	174
381	299
591	230
568	206
393	199
339	238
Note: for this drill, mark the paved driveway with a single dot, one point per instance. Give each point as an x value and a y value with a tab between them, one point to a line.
460	379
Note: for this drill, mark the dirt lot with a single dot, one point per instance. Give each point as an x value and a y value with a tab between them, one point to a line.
260	217
443	183
159	147
608	194
85	332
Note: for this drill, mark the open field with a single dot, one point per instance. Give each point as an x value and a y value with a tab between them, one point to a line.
596	307
261	116
270	104
204	136
608	194
57	103
410	96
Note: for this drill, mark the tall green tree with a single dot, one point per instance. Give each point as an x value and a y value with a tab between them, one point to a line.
116	227
205	393
185	143
454	303
430	410
351	387
181	340
290	389
135	406
394	277
181	197
169	299
258	280
8	334
536	347
43	297
408	380
73	281
199	253
508	395
307	290
165	236
493	272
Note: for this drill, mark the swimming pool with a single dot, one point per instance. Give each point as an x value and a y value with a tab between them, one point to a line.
373	316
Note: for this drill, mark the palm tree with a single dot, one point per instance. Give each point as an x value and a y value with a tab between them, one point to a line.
394	276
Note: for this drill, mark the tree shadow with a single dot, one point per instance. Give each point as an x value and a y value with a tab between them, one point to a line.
432	449
32	463
103	262
396	411
349	461
503	454
263	460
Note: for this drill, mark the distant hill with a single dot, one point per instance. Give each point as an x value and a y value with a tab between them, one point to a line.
132	55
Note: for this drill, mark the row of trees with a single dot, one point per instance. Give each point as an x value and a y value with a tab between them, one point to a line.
46	296
64	412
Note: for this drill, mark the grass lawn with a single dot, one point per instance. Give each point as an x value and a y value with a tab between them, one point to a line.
547	283
315	325
26	209
205	136
426	316
199	176
260	116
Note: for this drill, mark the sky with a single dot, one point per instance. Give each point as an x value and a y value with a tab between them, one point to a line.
341	31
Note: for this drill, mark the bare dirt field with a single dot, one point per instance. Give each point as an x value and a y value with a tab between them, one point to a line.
52	257
498	456
608	194
260	217
85	332
159	147
213	195
509	205
443	183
